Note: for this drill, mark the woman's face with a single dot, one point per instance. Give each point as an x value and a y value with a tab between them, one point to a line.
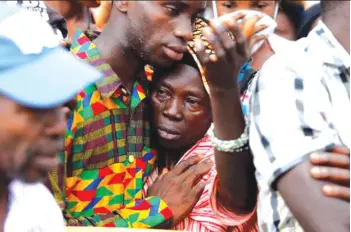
225	7
181	105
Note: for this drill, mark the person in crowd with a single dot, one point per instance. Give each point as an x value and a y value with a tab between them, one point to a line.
32	125
182	113
309	93
338	170
76	14
108	154
287	13
270	8
310	20
182	116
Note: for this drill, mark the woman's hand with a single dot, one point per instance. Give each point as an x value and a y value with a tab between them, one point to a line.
231	42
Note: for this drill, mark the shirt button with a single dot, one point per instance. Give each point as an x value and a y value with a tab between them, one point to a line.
124	91
131	159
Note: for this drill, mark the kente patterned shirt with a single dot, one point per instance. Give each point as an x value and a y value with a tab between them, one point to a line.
107	153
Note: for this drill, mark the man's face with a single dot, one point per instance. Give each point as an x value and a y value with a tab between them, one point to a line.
267	7
29	140
159	30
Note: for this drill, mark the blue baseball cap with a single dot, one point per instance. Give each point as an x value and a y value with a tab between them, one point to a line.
35	70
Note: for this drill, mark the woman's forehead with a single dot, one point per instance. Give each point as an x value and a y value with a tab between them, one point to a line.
183	76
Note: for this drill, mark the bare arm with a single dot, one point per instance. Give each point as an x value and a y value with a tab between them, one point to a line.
237	185
235	170
313	210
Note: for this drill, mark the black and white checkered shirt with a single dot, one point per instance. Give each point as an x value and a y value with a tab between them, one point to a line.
300	104
38	7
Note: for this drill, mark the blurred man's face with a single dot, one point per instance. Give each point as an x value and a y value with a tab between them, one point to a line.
159	30
267	7
29	140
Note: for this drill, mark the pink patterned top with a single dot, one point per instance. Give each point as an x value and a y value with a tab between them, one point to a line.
209	215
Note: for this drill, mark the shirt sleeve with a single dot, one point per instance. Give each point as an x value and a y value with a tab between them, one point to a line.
288	117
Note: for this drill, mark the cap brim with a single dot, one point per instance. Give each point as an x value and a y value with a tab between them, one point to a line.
50	81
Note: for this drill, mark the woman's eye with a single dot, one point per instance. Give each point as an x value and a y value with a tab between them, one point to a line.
162	93
172	10
191	101
259	5
228	5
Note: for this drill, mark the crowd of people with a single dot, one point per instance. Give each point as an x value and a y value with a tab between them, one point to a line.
204	116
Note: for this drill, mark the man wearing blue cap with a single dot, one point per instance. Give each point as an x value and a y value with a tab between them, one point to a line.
36	79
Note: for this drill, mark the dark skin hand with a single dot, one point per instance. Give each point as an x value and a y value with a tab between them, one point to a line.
237	182
180	187
334	167
312	209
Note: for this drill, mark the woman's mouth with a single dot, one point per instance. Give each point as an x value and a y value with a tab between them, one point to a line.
168	134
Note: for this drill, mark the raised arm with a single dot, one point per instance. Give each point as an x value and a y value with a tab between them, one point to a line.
237	185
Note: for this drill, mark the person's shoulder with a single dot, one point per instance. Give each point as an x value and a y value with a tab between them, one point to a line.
36	199
295	63
38	195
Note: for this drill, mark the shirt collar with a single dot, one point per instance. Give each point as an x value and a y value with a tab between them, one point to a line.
83	47
337	55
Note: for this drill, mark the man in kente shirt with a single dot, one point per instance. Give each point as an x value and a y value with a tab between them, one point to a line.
108	154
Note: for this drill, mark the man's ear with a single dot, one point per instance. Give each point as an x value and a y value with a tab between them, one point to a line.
122	6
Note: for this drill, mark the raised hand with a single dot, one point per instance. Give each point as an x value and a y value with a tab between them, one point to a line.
180	187
231	43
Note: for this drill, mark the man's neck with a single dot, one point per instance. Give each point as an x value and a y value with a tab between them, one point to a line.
339	32
114	50
338	22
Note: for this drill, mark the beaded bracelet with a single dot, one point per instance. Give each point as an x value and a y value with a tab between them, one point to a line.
238	145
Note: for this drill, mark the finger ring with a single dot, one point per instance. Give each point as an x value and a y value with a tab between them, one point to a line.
220	28
240	21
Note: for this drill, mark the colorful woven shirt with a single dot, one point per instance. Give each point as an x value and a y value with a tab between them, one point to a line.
107	153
